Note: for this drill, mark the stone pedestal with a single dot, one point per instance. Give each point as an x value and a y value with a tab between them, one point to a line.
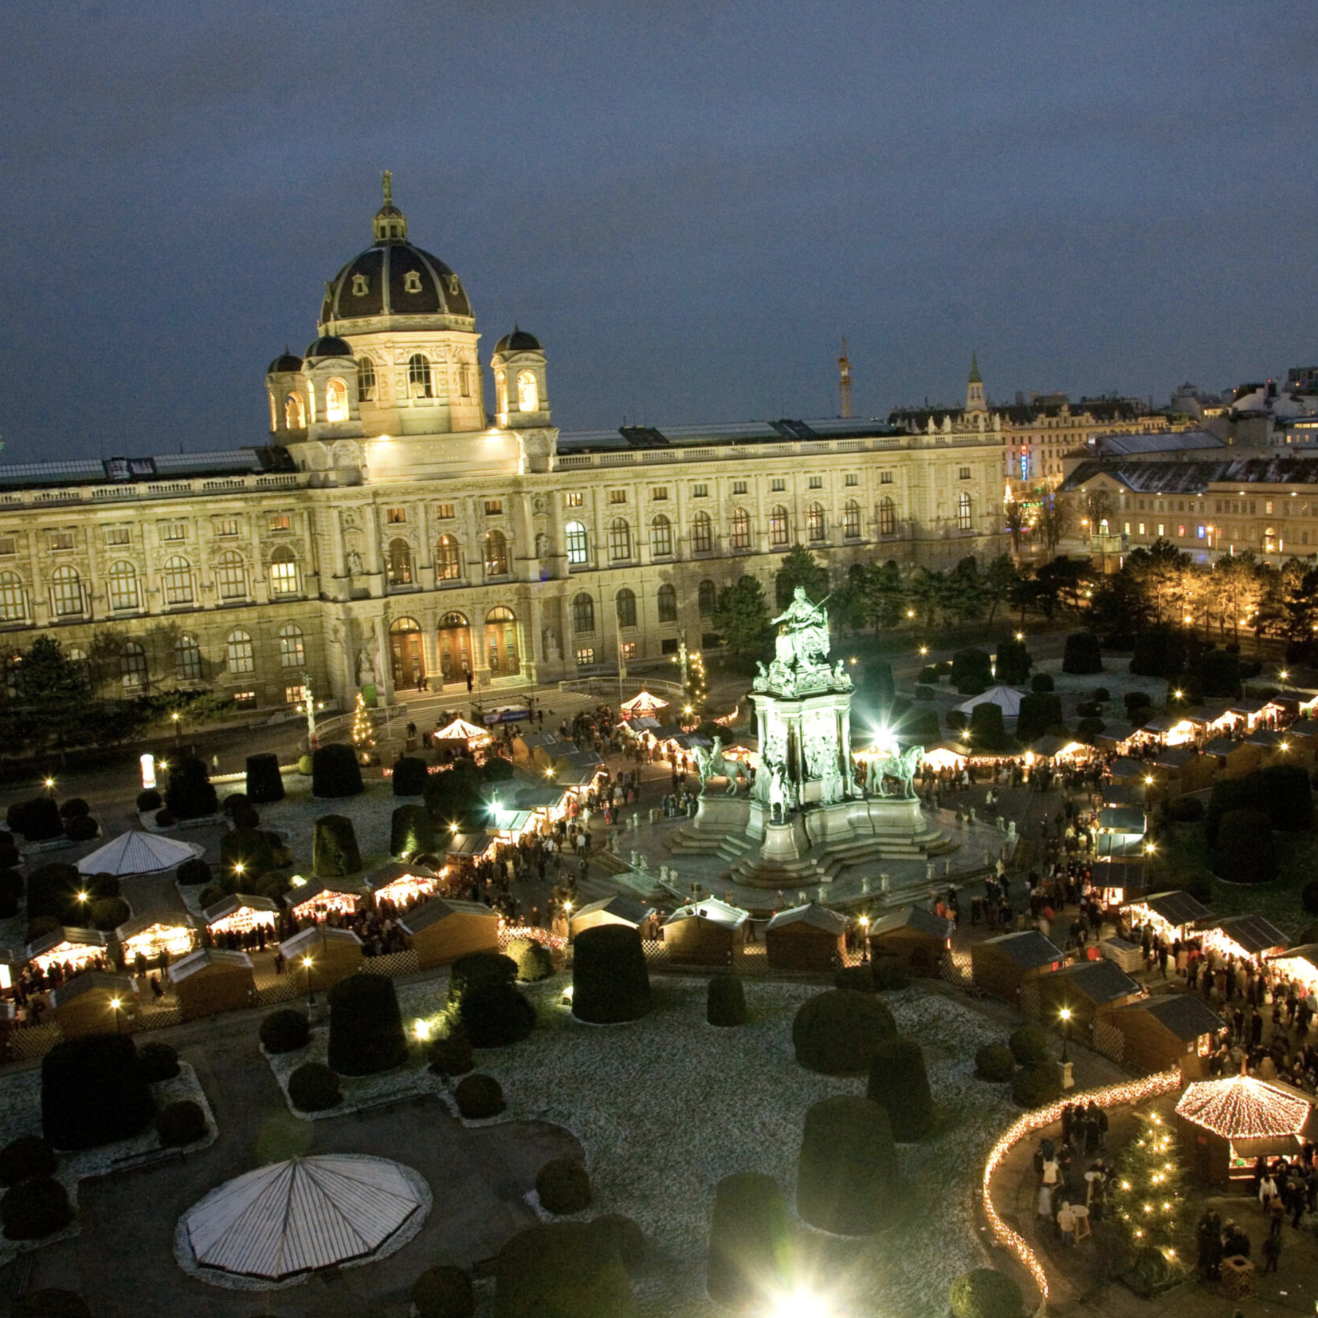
723	814
1064	1072
784	842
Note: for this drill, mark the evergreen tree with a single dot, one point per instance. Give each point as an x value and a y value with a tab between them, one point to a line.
1148	1191
800	568
741	618
363	735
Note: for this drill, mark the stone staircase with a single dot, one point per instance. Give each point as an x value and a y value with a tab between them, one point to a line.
690	841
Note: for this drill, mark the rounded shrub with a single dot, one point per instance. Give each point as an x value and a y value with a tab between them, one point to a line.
265	784
610	982
1030	1045
859	979
158	1062
479	1096
109	913
1246	852
193	873
1185	810
245	817
1033	1086
285	1031
1042	682
335	772
443	1292
25	1158
928	675
74	808
252	848
614	1231
451	1055
1090	727
749	1241
334	853
190	793
81	828
410	774
900	1085
889	974
39	819
165	819
410	831
985	1293
1082	654
305	765
36	1208
234	802
182	1123
495	1015
477	969
994	1062
559	1270
838	1032
534	960
846	1179
366	1028
93	1092
725	1001
149	799
563	1186
313	1087
49	1302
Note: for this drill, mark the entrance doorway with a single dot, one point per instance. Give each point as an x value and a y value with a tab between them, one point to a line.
454	647
501	642
407	653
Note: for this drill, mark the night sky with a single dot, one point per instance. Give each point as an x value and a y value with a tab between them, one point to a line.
689	203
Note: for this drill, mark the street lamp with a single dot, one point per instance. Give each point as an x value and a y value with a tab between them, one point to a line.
178	728
864	939
924	650
114	1005
311	992
50	786
1020	636
1284	676
1066	1038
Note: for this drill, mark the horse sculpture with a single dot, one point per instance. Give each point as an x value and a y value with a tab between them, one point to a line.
902	767
712	764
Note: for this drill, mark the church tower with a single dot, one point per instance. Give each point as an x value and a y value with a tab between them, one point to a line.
975	387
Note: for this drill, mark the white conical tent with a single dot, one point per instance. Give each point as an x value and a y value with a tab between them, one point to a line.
1004	697
299	1216
644	703
461	730
136	852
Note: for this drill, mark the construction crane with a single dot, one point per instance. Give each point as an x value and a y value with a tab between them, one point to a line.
844	380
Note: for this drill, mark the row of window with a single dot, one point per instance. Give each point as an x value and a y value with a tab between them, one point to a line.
700	490
583	606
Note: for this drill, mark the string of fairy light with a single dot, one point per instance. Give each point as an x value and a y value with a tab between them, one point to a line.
1149	1211
363	735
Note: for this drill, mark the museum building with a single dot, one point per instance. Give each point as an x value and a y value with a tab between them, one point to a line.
388	529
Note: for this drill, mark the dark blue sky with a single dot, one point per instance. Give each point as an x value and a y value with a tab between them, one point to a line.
688	202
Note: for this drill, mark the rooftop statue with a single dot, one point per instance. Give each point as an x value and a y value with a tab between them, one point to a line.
800	657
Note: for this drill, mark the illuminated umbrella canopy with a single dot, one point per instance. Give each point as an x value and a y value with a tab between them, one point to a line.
1241	1107
292	1218
136	852
460	730
644	703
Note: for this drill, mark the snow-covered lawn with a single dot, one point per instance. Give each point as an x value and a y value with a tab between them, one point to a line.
668	1105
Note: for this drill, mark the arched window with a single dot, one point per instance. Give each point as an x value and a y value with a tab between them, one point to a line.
578	544
626	600
706	598
963	512
815	526
177	581
583	613
231	576
851	520
620	540
239	653
274	414
295	414
500	392
661	537
528	392
132	666
66	592
887	517
448	559
741	529
365	380
283	572
13	598
667	598
702	534
778	526
418	376
187	659
292	652
336	401
496	555
501	642
398	566
121	585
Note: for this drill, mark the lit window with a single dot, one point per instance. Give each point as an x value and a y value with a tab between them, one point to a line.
336	401
280	522
667	600
292	652
963	513
444	512
578	544
706	598
816	529
586	655
528	392
418	376
239	653
13	598
398	566
629	650
778	534
187	659
851	520
132	666
66	592
226	526
702	534
583	613
121	584
740	537
118	536
243	697
1180	531
295	413
661	537
448	561
816	482
283	572
617	496
395	516
231	576
493	507
61	540
365	380
294	695
887	517
574	499
1199	532
177	581
626	600
496	554
620	540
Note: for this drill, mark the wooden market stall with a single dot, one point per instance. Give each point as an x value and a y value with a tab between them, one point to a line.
618	909
1118	882
1165	1030
1086	989
443	929
323	952
172	933
209	981
705	933
809	937
1181	769
1298	963
1223	1126
1235	759
1173	915
74	948
917	938
399	883
240	914
1002	966
1171	730
1278	748
1127	770
947	755
1249	937
1114	794
95	1002
322	897
1055	750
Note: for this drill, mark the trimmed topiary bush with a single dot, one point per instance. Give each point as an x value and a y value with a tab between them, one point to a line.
410	831
614	1231
1039	711
234	802
246	816
985	1293
285	1031
183	1123
838	1032
335	772
81	828
38	819
479	1096
1309	900
534	960
313	1087
889	974
190	794
36	1208
859	979
451	1055
366	1028
305	765
334	853
1246	852
443	1292
1042	682
495	1015
987	729
994	1062
1033	1086
49	1302
725	1001
1287	797
610	982
749	1241
477	969
194	872
410	776
93	1092
158	1062
1013	663
900	1085
563	1187
846	1179
1082	654
265	784
74	808
972	664
109	913
25	1158
559	1270
149	799
1030	1045
252	848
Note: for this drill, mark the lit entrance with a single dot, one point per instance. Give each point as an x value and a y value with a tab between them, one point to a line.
454	647
407	652
501	642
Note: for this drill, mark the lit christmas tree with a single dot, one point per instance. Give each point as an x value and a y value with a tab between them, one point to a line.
363	735
1148	1191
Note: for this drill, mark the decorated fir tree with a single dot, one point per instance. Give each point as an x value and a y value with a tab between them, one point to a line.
363	735
1147	1193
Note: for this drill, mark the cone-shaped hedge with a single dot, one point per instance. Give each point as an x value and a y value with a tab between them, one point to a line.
264	781
93	1092
410	831
846	1179
610	982
366	1027
335	772
898	1083
837	1032
561	1270
410	776
726	1001
334	853
985	1293
749	1241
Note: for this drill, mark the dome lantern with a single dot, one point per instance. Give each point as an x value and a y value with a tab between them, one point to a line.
389	224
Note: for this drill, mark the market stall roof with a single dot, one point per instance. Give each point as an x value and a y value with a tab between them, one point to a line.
719	912
527	793
1029	949
308	892
78	937
1252	932
1268	739
187	966
1119	846
460	730
437	909
1306	729
820	917
643	703
88	981
1241	1107
1200	715
641	723
1122	819
1163	723
139	924
305	941
1177	907
1175	757
1126	767
1185	1015
914	917
393	870
468	844
1127	875
1222	746
1049	747
619	905
1115	794
1306	952
300	1216
239	900
1100	981
137	852
1006	699
1247	708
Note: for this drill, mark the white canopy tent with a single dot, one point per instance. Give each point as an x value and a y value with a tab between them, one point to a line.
1006	699
461	730
136	852
643	703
